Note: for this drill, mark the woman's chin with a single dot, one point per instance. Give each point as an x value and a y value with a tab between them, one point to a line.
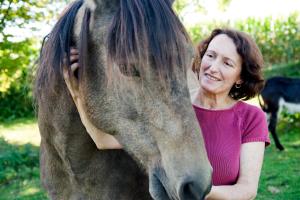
208	88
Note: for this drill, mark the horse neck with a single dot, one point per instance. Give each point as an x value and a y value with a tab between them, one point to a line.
64	137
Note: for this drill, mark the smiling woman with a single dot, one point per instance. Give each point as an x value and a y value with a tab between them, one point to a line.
229	69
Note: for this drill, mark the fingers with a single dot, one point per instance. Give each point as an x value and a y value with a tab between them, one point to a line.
74	55
74	58
74	66
74	51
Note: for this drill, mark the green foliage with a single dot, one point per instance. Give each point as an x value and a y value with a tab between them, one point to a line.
19	13
223	4
16	65
17	162
19	174
200	32
278	38
182	7
17	101
287	70
18	55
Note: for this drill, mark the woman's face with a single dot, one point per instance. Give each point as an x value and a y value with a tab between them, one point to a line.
221	66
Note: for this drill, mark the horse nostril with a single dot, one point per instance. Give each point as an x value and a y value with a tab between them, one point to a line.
190	190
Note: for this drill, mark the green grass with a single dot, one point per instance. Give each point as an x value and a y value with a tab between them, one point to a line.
19	163
280	177
20	131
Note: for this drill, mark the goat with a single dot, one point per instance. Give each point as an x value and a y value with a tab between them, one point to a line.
280	92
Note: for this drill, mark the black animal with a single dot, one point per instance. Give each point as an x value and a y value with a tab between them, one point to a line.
280	92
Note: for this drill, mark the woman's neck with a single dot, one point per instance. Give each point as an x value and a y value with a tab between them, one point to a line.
211	101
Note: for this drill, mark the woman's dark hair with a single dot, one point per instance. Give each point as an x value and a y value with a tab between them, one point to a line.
252	62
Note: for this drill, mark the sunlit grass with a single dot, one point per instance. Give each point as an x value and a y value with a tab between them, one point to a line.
30	191
23	190
21	131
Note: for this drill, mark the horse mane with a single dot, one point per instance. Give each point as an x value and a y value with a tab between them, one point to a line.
55	48
146	30
141	31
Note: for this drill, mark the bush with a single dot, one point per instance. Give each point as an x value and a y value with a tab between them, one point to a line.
16	61
287	70
277	38
18	162
17	102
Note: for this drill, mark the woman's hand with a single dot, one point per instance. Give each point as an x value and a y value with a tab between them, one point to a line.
251	160
74	58
101	139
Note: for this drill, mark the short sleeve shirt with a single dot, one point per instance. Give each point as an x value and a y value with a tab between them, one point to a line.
225	131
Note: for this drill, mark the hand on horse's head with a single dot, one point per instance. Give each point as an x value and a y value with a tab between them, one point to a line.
101	139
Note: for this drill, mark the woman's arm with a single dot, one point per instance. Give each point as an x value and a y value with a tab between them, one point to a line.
251	160
100	138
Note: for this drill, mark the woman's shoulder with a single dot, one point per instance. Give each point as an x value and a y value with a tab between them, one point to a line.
251	114
247	108
254	123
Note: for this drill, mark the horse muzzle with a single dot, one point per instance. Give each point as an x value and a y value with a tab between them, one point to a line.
185	188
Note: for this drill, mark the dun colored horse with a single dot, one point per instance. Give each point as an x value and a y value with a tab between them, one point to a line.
131	83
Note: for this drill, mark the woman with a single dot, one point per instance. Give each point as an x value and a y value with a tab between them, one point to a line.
228	69
235	133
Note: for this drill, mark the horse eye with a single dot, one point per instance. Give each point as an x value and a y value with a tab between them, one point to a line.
129	70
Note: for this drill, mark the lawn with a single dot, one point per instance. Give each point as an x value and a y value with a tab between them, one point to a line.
19	161
19	175
280	177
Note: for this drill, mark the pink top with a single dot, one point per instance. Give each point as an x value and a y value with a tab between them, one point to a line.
224	132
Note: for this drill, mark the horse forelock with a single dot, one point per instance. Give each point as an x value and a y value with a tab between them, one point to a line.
145	31
83	42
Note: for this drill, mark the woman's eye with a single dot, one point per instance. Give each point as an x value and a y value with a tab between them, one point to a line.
228	64
209	55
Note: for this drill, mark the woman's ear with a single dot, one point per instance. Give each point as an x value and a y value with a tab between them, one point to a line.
239	82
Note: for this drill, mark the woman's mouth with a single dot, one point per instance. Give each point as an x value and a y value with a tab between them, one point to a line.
210	77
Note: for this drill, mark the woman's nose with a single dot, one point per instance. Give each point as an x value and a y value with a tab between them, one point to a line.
214	66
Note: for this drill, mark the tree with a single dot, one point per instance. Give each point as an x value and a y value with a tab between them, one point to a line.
182	7
18	54
223	4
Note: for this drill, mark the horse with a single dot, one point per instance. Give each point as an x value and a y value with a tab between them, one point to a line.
279	92
131	83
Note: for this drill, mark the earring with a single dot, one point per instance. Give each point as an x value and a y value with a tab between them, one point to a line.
237	86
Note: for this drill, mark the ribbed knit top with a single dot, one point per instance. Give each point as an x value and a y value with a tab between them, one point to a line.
224	132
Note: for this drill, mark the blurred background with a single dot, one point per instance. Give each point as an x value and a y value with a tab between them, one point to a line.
274	24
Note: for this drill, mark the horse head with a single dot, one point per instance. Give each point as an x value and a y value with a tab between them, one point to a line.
131	83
